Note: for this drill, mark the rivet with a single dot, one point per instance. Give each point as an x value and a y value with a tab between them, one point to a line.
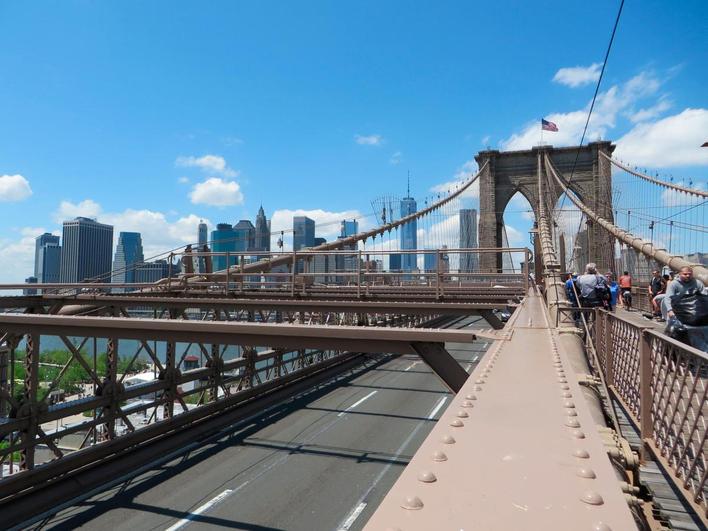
427	477
578	434
568	403
439	456
562	380
601	526
448	439
412	503
567	395
480	381
467	403
571	413
477	388
457	423
572	423
393	529
462	414
581	454
558	364
470	397
592	498
588	473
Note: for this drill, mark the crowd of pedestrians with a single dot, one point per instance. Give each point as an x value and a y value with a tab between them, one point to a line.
680	300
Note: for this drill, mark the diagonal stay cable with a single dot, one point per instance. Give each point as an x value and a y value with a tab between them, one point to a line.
594	98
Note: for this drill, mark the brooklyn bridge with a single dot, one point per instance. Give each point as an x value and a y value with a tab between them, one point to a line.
467	393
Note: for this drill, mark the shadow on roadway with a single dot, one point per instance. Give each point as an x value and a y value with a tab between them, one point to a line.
128	491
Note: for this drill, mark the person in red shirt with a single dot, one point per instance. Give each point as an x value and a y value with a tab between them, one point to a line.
625	284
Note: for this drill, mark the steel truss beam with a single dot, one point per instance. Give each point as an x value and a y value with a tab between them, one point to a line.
373	307
360	339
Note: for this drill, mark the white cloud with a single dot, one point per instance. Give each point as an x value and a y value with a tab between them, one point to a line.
159	232
17	256
216	192
183	180
674	198
515	236
671	141
642	115
485	140
232	141
396	158
463	174
207	163
577	76
369	140
608	106
87	208
14	188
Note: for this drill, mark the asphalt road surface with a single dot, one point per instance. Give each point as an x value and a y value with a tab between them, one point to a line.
321	461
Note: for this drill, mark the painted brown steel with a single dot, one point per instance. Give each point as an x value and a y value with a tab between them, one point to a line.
361	339
443	364
411	308
508	452
643	246
672	186
663	387
99	465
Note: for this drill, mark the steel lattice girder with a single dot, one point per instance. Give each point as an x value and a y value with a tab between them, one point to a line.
360	339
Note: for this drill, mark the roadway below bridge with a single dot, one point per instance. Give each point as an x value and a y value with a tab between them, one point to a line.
323	460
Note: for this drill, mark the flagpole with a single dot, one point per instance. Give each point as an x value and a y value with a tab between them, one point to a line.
542	131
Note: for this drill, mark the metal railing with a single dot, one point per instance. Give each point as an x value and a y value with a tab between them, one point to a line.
431	272
663	386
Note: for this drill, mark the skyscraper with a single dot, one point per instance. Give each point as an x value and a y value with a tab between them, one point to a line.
409	234
86	250
468	239
303	232
262	232
223	239
202	240
129	253
47	258
347	262
245	235
148	272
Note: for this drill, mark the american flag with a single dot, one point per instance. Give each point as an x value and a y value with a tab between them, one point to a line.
548	126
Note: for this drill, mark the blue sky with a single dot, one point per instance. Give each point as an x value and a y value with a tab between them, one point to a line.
151	115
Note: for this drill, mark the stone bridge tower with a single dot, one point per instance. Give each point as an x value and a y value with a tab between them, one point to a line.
517	171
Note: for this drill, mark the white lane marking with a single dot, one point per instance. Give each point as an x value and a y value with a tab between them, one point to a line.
397	454
469	366
357	403
199	510
352	517
474	360
411	366
437	407
486	344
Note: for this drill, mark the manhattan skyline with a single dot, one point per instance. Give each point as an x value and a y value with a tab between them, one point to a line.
314	110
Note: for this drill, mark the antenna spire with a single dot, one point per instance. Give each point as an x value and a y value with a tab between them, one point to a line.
408	192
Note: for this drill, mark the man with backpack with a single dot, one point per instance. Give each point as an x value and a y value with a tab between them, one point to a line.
686	302
592	288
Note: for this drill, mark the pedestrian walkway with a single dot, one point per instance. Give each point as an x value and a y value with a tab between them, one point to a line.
519	438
